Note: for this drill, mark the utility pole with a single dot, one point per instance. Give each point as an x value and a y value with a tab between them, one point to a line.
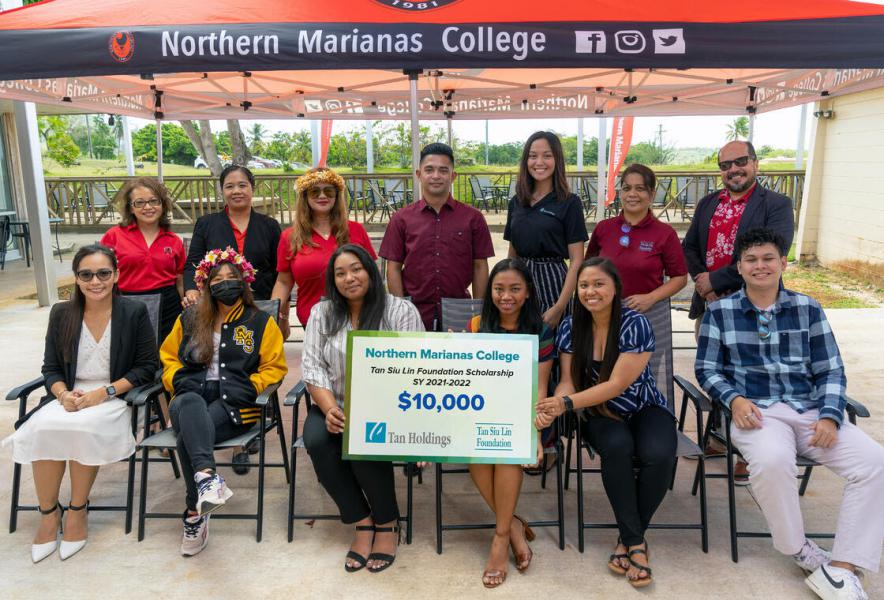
89	135
660	135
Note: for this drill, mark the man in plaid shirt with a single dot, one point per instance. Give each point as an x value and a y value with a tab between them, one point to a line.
769	354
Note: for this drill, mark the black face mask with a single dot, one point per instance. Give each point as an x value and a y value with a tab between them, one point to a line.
227	291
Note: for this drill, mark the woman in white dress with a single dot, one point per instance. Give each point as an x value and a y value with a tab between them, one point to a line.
98	346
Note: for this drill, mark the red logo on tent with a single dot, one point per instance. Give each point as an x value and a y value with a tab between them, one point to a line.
416	6
121	46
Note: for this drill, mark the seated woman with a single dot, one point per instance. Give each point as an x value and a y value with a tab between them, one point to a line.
604	351
222	353
511	307
363	490
98	346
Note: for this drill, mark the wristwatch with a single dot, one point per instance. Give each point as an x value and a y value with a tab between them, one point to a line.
569	404
111	391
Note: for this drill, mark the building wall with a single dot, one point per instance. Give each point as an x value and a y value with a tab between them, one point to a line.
842	215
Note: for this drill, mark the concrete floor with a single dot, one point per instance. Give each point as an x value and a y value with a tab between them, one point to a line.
115	565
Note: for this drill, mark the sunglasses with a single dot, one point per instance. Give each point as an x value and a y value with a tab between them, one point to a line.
741	161
764	319
328	192
103	275
142	203
624	239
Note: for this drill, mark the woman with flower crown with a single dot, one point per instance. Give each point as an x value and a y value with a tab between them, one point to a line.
222	353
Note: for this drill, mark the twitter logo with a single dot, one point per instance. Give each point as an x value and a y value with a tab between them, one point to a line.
669	41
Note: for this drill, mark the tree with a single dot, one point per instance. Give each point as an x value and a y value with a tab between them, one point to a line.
202	140
256	135
239	152
739	129
59	144
649	153
177	148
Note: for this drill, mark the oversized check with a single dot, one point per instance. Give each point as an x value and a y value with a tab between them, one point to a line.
441	397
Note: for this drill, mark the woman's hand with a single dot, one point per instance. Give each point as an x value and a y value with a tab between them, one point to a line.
553	316
191	297
640	302
334	420
93	398
68	400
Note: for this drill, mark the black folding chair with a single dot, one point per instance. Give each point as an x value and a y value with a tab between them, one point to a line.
293	399
456	315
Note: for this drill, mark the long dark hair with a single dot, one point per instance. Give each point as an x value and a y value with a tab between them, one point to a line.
525	185
530	320
582	332
202	343
73	315
372	311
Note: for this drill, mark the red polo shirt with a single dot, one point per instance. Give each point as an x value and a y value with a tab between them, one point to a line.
142	268
239	236
653	250
437	251
308	266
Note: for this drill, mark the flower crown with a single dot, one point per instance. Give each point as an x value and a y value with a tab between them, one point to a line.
308	180
217	257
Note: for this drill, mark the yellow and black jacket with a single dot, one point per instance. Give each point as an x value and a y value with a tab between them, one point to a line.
250	358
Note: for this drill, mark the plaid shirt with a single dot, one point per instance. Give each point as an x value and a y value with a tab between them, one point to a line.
799	363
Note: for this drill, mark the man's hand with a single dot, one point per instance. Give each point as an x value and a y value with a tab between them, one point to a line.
825	433
745	414
334	420
711	297
702	284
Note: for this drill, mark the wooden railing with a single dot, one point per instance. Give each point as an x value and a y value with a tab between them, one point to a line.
89	201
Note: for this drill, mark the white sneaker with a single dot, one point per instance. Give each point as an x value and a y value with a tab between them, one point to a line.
832	583
213	492
811	557
196	534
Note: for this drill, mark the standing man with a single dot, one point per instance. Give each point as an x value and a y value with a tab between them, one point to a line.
436	247
769	354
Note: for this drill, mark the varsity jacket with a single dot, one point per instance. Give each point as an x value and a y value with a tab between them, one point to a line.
250	358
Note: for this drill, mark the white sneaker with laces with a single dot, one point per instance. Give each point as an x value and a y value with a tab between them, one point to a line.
213	492
833	583
811	557
196	534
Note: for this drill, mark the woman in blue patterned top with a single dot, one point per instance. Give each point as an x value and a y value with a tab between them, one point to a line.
604	351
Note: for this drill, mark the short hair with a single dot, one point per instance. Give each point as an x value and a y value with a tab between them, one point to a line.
750	149
124	202
647	175
231	168
759	237
437	148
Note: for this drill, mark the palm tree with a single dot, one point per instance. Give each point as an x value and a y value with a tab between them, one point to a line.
256	135
739	129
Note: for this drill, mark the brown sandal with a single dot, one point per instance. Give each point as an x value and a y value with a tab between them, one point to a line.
643	581
614	563
523	561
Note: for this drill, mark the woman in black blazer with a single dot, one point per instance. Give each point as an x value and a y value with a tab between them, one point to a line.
252	234
98	347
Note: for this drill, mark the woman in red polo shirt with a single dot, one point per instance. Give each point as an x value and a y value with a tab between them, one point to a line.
319	228
150	256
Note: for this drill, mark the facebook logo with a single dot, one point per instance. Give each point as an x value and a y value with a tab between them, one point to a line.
375	433
590	42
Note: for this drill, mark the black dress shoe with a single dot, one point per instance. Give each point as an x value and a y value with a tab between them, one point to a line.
241	463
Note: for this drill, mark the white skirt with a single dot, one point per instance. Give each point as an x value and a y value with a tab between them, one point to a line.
98	435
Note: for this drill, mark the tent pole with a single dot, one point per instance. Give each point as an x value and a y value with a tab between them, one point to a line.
315	149
580	144
450	135
127	147
160	150
415	134
25	115
369	147
799	149
602	185
752	128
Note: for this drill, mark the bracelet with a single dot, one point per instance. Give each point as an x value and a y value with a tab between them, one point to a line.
569	404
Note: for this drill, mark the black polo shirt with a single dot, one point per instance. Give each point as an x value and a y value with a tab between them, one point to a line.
545	229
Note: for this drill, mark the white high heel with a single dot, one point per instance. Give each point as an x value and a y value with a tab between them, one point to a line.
68	549
41	551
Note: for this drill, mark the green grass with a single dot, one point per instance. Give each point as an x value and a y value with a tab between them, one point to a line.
832	289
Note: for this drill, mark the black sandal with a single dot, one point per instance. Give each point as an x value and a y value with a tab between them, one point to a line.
389	558
360	560
614	560
644	581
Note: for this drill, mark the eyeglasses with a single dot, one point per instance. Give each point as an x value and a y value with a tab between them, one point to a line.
103	275
764	319
741	161
142	203
328	192
624	239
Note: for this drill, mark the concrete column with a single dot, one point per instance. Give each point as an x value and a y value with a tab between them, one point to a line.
807	236
799	149
35	201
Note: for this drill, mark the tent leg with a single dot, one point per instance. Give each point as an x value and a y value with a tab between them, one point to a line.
602	187
160	150
415	133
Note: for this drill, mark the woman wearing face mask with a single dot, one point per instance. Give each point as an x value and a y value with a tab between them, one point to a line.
320	227
604	351
221	354
510	307
98	347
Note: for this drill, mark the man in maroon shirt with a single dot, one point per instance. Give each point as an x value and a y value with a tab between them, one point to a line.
436	247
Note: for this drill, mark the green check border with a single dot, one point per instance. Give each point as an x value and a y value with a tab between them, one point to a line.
438	458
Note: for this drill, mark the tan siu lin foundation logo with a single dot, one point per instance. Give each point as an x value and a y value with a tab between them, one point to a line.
416	6
121	46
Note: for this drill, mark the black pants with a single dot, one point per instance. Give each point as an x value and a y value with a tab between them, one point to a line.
359	487
200	421
637	459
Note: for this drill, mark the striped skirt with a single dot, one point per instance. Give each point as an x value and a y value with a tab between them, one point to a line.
549	279
660	318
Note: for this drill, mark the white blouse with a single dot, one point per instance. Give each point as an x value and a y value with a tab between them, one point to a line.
93	360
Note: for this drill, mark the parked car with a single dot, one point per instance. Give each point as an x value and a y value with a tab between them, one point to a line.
256	164
200	163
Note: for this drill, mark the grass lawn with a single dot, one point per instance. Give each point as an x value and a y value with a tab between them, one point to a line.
832	289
